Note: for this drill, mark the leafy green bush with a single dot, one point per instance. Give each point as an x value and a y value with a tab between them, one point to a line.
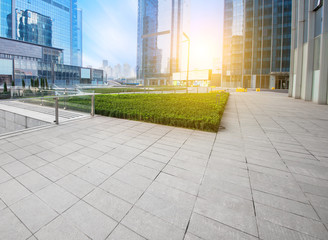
195	111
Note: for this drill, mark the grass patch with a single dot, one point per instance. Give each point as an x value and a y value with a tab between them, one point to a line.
195	111
134	89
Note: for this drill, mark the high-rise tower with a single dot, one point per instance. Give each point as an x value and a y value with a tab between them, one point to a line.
258	55
160	33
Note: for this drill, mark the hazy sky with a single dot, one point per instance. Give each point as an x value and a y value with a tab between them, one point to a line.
110	30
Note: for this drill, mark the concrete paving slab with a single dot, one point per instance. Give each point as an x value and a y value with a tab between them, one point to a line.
263	176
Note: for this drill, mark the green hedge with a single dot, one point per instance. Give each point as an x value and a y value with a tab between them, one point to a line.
134	89
195	111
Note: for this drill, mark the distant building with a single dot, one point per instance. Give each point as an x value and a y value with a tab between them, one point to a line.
117	71
160	35
257	38
309	55
105	63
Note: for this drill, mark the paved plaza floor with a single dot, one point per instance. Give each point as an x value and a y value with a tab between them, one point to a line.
264	176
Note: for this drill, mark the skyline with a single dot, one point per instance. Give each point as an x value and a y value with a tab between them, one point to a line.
115	39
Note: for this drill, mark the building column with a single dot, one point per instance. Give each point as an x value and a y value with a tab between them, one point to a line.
310	55
299	60
292	50
272	82
323	80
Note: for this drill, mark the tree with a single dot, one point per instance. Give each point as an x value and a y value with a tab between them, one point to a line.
13	83
42	83
32	82
23	83
5	89
37	84
47	86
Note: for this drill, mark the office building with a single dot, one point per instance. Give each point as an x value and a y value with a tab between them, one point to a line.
257	38
41	39
55	24
26	61
309	55
160	34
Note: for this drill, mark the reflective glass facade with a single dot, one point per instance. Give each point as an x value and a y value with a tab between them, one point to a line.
160	29
233	42
45	22
262	52
34	28
5	18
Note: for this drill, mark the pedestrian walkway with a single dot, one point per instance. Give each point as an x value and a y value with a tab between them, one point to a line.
42	113
264	176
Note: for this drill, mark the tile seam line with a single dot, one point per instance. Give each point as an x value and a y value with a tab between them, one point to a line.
248	170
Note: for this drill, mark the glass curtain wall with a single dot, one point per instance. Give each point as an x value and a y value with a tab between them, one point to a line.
233	43
5	18
64	23
159	38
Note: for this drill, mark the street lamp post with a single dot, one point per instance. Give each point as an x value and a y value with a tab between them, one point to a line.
187	80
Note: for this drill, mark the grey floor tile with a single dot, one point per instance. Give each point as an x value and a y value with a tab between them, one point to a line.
34	162
90	221
11	227
33	212
67	164
19	154
90	175
6	158
113	160
109	204
172	212
52	172
133	179
12	191
49	156
16	168
287	205
4	176
151	227
228	215
206	228
57	197
103	167
122	232
147	162
292	221
33	181
122	190
178	183
60	228
271	231
75	185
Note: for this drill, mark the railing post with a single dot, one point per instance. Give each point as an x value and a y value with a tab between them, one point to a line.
93	105
56	111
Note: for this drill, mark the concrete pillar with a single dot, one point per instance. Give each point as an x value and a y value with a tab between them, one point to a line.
299	60
323	80
272	82
253	81
310	55
292	51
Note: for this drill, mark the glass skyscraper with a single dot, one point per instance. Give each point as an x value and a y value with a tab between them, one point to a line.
45	22
160	33
258	55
